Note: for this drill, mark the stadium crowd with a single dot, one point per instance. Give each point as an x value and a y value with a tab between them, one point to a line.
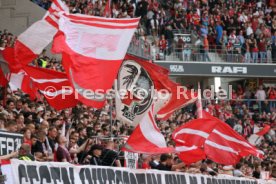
94	136
246	28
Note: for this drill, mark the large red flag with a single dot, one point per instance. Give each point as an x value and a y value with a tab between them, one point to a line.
92	51
54	86
212	138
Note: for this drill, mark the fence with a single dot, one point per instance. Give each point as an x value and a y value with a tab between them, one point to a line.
215	53
253	105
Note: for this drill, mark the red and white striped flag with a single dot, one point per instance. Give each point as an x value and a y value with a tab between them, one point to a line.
212	138
54	86
257	137
92	51
31	42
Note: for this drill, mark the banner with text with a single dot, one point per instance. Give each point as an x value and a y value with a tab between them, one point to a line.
9	142
219	69
27	172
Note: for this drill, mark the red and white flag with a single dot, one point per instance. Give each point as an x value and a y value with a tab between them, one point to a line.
212	138
92	51
21	81
139	85
54	86
177	96
4	71
144	89
31	42
180	97
147	138
256	138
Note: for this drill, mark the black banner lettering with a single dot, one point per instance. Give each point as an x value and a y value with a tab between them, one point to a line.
53	173
111	175
32	173
9	142
193	180
22	173
44	174
132	178
156	178
141	178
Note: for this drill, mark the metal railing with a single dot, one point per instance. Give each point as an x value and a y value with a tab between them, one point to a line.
140	48
215	53
253	105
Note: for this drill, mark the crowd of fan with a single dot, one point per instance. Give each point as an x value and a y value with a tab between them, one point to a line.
88	130
7	39
246	28
88	133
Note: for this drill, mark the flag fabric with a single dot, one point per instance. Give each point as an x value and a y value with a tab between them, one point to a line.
177	101
256	138
158	81
15	76
4	71
147	138
9	57
92	50
54	86
263	131
210	137
139	84
21	81
31	42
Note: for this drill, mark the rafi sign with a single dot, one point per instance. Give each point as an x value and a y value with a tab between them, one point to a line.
229	69
209	69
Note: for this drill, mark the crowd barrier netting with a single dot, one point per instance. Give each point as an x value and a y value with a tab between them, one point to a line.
28	172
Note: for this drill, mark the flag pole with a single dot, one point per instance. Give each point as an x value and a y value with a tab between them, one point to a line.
111	108
199	102
111	123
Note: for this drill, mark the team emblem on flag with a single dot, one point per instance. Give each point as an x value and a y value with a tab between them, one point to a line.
135	89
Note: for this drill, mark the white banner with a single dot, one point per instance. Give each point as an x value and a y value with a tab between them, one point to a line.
28	172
